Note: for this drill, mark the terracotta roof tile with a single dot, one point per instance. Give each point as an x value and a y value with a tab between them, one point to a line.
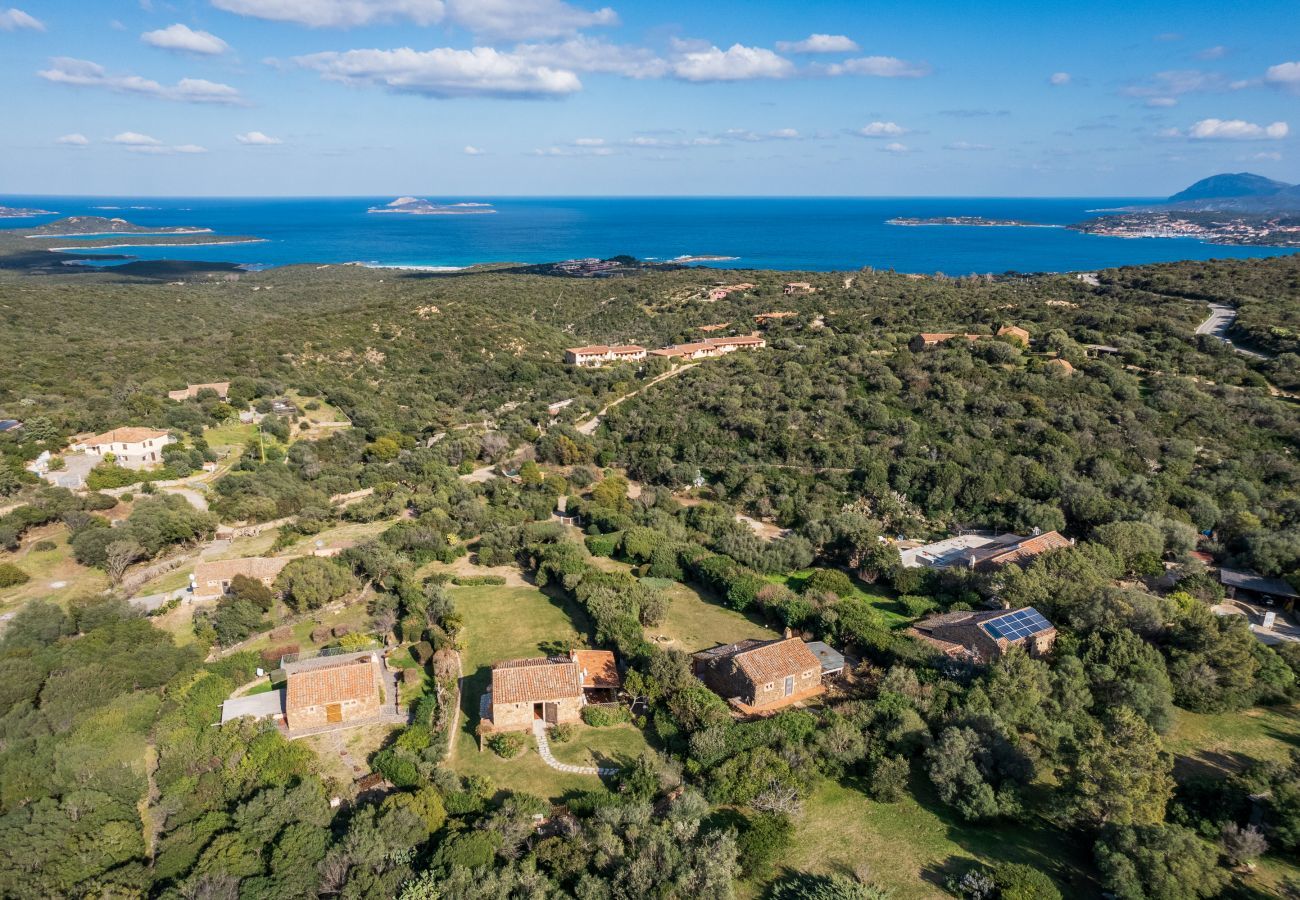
599	668
535	680
127	435
351	680
775	660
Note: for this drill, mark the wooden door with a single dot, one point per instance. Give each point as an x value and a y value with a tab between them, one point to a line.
552	713
334	713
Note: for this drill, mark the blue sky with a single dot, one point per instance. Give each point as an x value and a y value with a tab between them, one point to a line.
509	97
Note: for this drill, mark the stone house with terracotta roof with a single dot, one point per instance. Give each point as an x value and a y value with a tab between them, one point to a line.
1015	333
333	690
596	355
212	579
1020	550
133	448
598	670
546	689
757	676
980	636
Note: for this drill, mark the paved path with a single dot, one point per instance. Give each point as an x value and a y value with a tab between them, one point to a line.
1220	320
544	751
150	602
589	426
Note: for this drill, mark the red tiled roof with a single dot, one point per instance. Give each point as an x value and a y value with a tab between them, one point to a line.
127	435
351	680
1022	551
775	660
535	680
600	668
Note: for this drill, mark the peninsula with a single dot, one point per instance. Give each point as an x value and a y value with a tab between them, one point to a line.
966	221
414	206
93	226
18	212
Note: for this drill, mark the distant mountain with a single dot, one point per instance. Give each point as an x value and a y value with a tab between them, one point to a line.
1241	192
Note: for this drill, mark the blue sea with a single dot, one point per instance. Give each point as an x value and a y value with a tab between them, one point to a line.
818	234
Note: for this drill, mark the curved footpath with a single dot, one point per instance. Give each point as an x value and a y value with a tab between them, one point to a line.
544	751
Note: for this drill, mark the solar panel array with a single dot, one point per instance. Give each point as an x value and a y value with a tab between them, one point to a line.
1017	625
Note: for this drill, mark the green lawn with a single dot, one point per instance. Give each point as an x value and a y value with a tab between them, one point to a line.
694	622
510	623
910	847
54	575
235	434
1228	742
879	596
614	745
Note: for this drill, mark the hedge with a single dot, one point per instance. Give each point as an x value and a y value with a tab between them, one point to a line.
603	544
604	716
472	580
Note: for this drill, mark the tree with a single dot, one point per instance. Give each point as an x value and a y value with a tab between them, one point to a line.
253	590
118	556
310	582
1122	775
1243	845
1158	862
611	492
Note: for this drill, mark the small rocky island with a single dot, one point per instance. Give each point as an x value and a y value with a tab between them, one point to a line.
966	221
18	212
414	206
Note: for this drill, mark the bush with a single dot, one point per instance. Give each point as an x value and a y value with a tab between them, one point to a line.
828	581
472	580
1017	881
603	716
562	734
603	544
507	745
44	546
762	842
11	575
423	652
272	655
916	605
321	634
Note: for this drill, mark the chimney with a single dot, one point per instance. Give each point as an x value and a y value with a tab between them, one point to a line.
788	633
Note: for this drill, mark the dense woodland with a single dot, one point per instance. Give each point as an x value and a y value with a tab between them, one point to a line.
113	782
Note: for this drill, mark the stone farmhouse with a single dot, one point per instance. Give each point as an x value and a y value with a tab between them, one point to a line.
212	580
724	291
222	389
546	689
928	340
758	677
134	448
596	355
333	690
980	551
980	636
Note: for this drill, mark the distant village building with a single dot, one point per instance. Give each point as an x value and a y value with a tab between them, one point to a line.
980	551
982	636
1015	333
724	291
586	268
134	448
1097	350
212	579
716	327
769	317
1061	365
333	690
222	389
596	355
1242	584
797	287
710	347
557	407
757	676
283	406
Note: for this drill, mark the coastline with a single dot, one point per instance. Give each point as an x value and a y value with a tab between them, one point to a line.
76	247
113	234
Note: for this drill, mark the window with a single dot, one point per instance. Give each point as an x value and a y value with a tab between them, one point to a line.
768	686
810	673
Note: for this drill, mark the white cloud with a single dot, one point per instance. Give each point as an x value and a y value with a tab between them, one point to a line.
17	20
584	54
183	39
1217	52
819	43
572	150
1236	130
882	130
880	67
526	19
444	72
785	134
967	146
1161	102
1059	79
134	139
471	150
896	147
136	142
337	13
257	139
73	140
1183	81
589	142
1287	73
736	63
83	73
1268	156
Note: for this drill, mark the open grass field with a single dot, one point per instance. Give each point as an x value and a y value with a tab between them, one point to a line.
879	596
1228	742
614	745
695	621
910	847
503	622
55	575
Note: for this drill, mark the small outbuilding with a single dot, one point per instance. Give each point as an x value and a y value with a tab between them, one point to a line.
1252	587
981	636
758	676
546	689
